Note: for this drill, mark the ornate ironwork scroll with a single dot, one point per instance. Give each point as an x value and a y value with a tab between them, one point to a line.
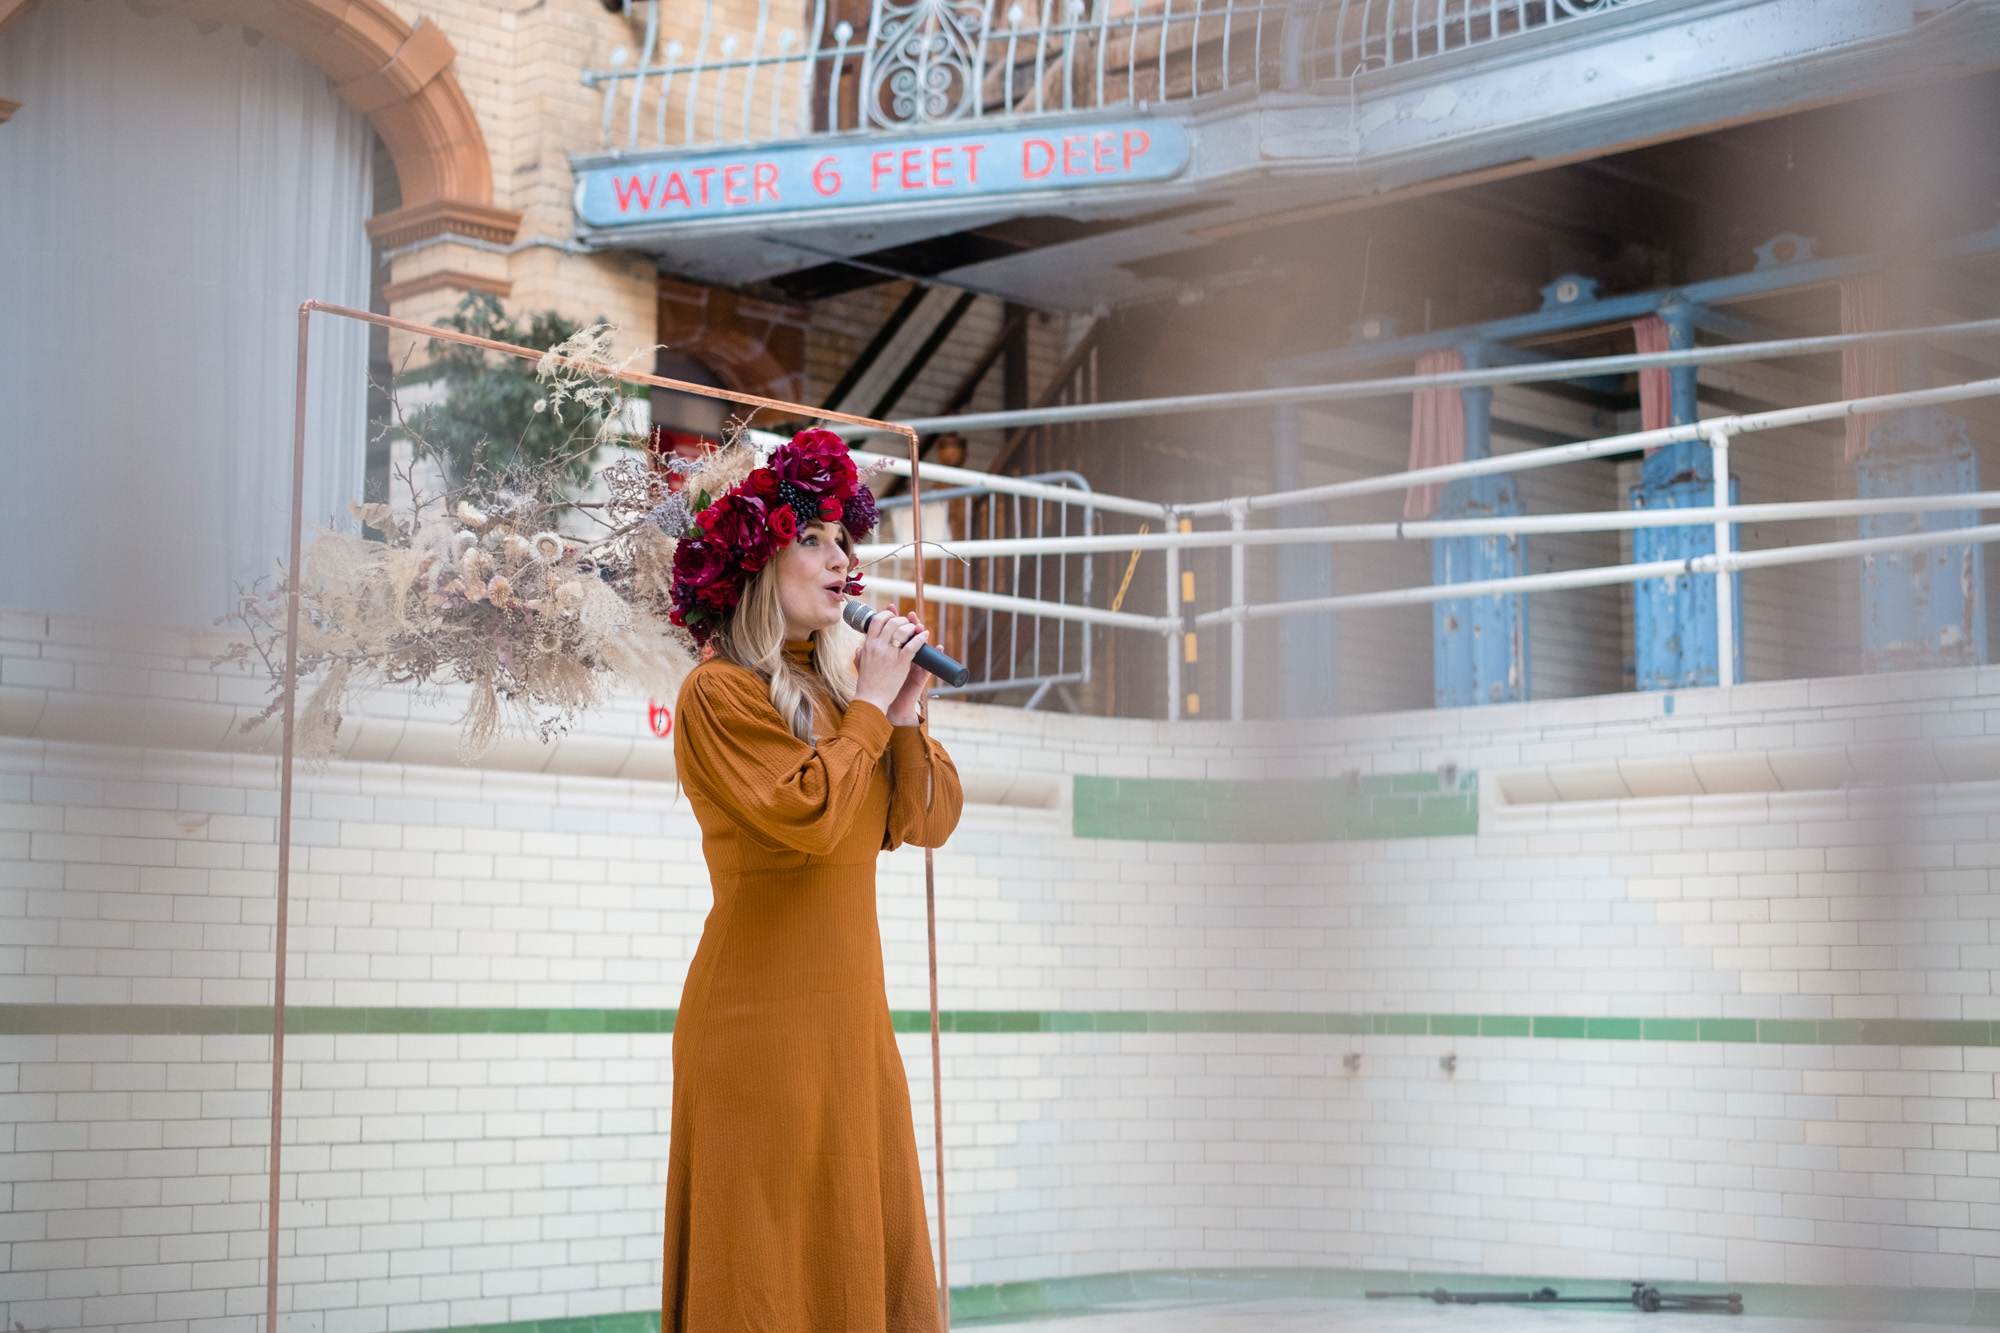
925	61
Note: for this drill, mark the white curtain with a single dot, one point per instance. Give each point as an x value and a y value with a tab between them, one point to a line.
167	198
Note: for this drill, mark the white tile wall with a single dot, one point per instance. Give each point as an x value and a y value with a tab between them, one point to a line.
438	1181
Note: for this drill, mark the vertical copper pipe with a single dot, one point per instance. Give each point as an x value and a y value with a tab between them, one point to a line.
285	818
930	930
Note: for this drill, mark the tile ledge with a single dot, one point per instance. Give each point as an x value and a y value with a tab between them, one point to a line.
1752	772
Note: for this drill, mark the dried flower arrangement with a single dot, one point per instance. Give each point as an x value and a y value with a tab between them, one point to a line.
481	584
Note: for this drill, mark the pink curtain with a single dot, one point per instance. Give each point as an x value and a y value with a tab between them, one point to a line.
1437	430
1656	384
1867	303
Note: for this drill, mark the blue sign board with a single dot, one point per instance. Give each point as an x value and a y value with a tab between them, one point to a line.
802	177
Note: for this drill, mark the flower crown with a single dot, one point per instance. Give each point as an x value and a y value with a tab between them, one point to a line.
809	479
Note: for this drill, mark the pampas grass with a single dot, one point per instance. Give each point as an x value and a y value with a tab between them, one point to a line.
492	586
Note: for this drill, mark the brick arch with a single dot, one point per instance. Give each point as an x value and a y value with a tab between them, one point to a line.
743	365
399	77
755	346
742	361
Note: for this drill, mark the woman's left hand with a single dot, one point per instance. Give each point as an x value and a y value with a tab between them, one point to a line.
904	710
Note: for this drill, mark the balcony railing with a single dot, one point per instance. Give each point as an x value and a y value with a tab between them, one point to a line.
734	77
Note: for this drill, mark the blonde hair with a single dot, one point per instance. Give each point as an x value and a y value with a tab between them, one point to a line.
754	638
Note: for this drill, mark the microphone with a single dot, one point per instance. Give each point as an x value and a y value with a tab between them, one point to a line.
860	615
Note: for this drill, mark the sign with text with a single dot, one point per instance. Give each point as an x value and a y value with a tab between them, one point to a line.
789	178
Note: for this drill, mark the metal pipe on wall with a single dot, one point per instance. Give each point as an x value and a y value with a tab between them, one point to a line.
1239	583
1725	587
1306	648
1173	638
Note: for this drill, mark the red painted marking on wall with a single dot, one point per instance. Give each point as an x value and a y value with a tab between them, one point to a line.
630	189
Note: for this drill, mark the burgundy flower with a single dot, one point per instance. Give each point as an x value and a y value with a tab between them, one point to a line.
699	563
753	556
817	461
859	515
763	483
690	614
737	522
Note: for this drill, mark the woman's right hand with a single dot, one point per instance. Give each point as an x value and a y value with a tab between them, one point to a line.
883	665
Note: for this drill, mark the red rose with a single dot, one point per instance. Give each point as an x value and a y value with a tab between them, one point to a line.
829	510
763	483
784	524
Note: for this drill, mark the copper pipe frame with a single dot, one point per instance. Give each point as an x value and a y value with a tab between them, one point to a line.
290	715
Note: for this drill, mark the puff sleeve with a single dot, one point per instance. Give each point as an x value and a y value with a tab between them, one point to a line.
731	747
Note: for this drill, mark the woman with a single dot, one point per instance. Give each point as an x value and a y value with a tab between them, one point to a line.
794	1201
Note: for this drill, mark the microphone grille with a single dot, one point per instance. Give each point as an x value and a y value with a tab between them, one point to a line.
857	615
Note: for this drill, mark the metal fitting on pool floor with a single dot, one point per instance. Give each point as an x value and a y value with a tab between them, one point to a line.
1643	1297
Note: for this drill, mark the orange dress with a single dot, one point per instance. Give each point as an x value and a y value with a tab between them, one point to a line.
794	1200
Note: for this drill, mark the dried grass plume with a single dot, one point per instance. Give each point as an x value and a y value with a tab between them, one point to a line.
537	601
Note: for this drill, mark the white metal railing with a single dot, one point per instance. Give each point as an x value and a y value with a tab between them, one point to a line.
978	617
1719	432
1026	487
1607	520
925	62
731	73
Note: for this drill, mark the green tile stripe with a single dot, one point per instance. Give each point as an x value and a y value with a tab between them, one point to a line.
1353	808
1015	1302
210	1020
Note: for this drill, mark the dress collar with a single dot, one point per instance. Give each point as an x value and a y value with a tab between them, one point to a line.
800	651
